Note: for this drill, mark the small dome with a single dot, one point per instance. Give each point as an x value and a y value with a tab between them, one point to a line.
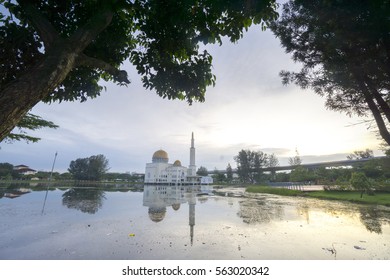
176	206
177	163
160	156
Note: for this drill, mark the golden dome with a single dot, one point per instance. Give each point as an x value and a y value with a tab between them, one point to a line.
160	156
157	214
177	163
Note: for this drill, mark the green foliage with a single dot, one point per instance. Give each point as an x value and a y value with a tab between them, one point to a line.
361	154
29	122
273	190
229	173
296	160
202	171
218	177
360	182
249	164
301	174
6	170
343	47
161	38
92	168
352	196
281	177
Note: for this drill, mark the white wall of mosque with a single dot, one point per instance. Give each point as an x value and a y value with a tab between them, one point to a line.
160	171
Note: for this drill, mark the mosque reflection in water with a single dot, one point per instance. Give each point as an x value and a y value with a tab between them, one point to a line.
159	197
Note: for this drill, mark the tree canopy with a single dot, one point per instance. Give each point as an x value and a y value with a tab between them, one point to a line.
361	154
296	160
344	49
92	168
202	171
54	50
249	164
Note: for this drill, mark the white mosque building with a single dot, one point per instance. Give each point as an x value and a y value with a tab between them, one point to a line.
160	171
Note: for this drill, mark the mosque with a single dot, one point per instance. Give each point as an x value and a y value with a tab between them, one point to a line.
161	172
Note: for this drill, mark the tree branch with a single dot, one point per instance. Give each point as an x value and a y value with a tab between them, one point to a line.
87	33
45	29
383	131
119	75
381	102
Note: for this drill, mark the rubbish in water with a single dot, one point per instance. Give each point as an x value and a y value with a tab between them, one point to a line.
131	234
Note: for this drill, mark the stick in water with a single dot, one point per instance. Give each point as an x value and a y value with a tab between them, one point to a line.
48	185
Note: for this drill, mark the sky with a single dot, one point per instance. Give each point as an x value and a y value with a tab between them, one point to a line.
248	108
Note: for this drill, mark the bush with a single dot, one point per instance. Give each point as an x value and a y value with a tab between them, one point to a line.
360	182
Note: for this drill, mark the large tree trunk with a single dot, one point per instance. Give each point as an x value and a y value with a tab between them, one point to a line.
62	55
383	131
20	96
383	105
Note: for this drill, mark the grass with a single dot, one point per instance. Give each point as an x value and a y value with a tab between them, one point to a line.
351	196
273	190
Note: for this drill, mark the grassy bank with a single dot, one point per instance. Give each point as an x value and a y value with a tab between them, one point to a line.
351	196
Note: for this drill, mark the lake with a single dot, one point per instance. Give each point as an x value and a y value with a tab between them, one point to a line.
170	222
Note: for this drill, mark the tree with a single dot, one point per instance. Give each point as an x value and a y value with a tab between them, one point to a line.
360	182
296	160
344	47
229	173
249	165
361	154
54	50
301	174
273	162
6	170
202	171
218	177
92	168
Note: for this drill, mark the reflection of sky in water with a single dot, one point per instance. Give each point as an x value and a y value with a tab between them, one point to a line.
173	223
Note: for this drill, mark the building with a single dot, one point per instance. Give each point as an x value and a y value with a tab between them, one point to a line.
24	170
160	171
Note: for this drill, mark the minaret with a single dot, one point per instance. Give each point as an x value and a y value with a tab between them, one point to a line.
192	167
191	203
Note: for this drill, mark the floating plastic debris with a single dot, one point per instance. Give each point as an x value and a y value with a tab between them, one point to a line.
131	234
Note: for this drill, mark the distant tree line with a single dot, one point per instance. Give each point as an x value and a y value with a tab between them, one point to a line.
374	173
93	168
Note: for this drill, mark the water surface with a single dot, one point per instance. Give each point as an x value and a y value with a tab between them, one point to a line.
167	222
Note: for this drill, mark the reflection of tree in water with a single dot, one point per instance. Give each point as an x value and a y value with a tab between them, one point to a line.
203	199
259	211
303	210
373	218
85	200
370	216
